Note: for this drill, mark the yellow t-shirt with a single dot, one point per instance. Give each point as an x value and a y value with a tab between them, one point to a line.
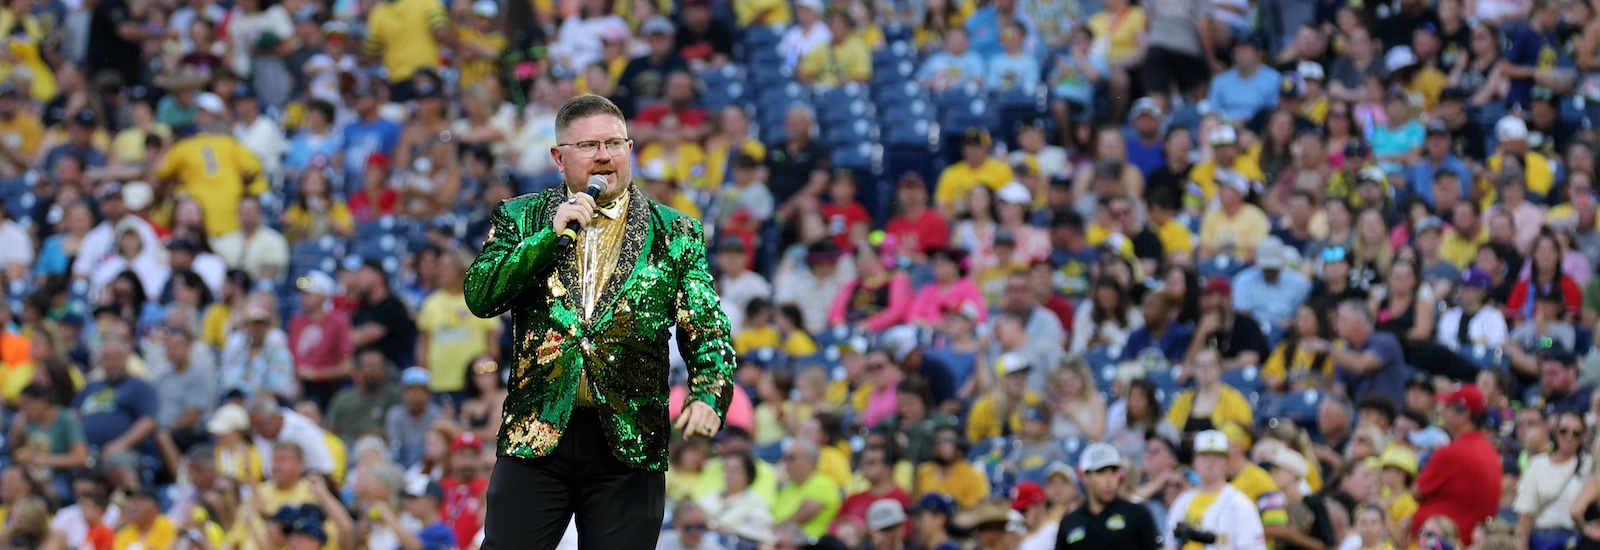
751	339
394	30
712	481
768	427
1460	251
1231	407
162	534
966	484
819	488
1204	174
455	336
687	166
1538	172
1122	30
983	420
957	180
768	12
1197	513
719	156
1241	231
128	146
1256	483
834	463
1316	110
1429	84
217	171
297	222
1175	237
1302	367
476	71
23	131
214	325
839	394
832	64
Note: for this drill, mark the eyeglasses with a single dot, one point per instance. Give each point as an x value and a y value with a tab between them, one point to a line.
1120	212
485	367
1334	254
1431	535
695	528
592	148
1569	432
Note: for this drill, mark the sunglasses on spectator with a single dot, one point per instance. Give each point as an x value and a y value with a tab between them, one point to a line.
695	528
1573	432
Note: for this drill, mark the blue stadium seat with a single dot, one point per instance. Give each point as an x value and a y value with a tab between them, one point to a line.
897	92
912	132
860	156
845	111
1301	407
848	134
893	74
1246	379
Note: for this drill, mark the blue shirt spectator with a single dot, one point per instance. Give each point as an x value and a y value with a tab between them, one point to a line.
1436	159
952	66
118	412
364	137
1172	344
984	30
1013	72
1247	88
1380	366
1069	78
1390	143
1536	47
1274	292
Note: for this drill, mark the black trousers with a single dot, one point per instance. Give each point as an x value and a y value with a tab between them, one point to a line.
531	500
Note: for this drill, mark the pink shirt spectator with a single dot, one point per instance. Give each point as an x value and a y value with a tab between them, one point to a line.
888	312
935	299
320	345
882	403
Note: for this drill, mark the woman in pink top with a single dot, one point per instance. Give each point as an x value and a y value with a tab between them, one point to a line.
884	401
879	298
951	290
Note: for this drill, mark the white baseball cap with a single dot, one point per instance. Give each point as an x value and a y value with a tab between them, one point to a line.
1310	70
211	103
1270	253
230	418
1010	363
885	513
1211	441
1510	128
1099	456
137	195
318	283
1223	135
1291	460
486	8
1014	193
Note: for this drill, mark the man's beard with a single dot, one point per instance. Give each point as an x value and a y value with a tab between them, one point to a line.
943	460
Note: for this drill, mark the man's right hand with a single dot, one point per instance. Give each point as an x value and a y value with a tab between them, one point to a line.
579	208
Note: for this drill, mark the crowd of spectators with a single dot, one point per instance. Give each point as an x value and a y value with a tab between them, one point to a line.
1302	274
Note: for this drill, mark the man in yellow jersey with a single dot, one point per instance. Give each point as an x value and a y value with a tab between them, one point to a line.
20	134
406	35
1225	156
213	168
977	167
1213	515
1256	483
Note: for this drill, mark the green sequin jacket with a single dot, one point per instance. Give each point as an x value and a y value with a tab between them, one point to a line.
662	279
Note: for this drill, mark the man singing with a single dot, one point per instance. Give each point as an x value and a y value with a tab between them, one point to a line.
585	427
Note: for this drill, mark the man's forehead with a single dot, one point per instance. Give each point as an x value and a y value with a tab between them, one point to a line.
596	127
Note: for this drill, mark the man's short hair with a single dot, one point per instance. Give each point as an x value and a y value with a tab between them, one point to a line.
584	106
292	448
1380	404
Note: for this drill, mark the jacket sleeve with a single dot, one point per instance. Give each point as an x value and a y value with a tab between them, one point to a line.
703	336
509	265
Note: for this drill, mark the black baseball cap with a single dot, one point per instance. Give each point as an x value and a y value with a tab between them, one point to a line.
85	117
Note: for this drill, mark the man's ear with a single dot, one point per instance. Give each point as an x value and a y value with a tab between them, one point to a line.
555	155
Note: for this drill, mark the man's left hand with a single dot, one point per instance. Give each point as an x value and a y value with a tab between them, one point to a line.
698	418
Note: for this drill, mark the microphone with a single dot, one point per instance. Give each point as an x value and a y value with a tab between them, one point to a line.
597	185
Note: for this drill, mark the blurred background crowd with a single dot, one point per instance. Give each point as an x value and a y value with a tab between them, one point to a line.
1351	244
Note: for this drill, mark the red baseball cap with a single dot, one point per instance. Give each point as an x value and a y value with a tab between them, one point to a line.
1026	494
1467	397
1218	283
467	440
378	160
